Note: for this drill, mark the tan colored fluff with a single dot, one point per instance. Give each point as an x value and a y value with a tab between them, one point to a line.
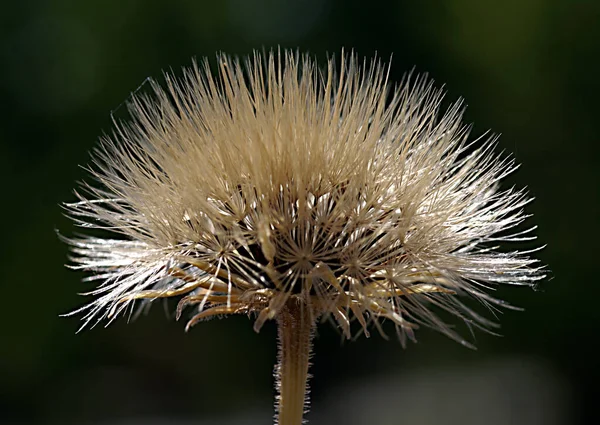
276	179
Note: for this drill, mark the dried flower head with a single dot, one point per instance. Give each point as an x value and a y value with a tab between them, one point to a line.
276	182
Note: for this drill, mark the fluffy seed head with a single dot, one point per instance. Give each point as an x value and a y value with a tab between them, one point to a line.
276	180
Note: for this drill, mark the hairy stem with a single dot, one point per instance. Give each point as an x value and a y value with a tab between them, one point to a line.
295	329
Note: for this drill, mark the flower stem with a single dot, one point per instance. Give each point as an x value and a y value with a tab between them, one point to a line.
295	329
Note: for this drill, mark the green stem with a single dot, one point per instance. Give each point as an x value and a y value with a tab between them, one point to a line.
295	329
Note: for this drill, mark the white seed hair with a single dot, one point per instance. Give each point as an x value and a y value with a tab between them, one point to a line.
277	179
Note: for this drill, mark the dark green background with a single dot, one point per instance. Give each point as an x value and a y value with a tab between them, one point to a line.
529	69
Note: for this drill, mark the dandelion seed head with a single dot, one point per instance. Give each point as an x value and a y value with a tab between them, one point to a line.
276	179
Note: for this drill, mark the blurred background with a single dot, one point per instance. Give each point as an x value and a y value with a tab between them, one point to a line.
528	69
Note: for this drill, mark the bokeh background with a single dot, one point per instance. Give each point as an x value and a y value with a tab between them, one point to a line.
529	69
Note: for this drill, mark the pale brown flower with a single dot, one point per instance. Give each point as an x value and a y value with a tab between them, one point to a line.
276	180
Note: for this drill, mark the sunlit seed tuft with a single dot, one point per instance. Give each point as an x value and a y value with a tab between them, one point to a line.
276	179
